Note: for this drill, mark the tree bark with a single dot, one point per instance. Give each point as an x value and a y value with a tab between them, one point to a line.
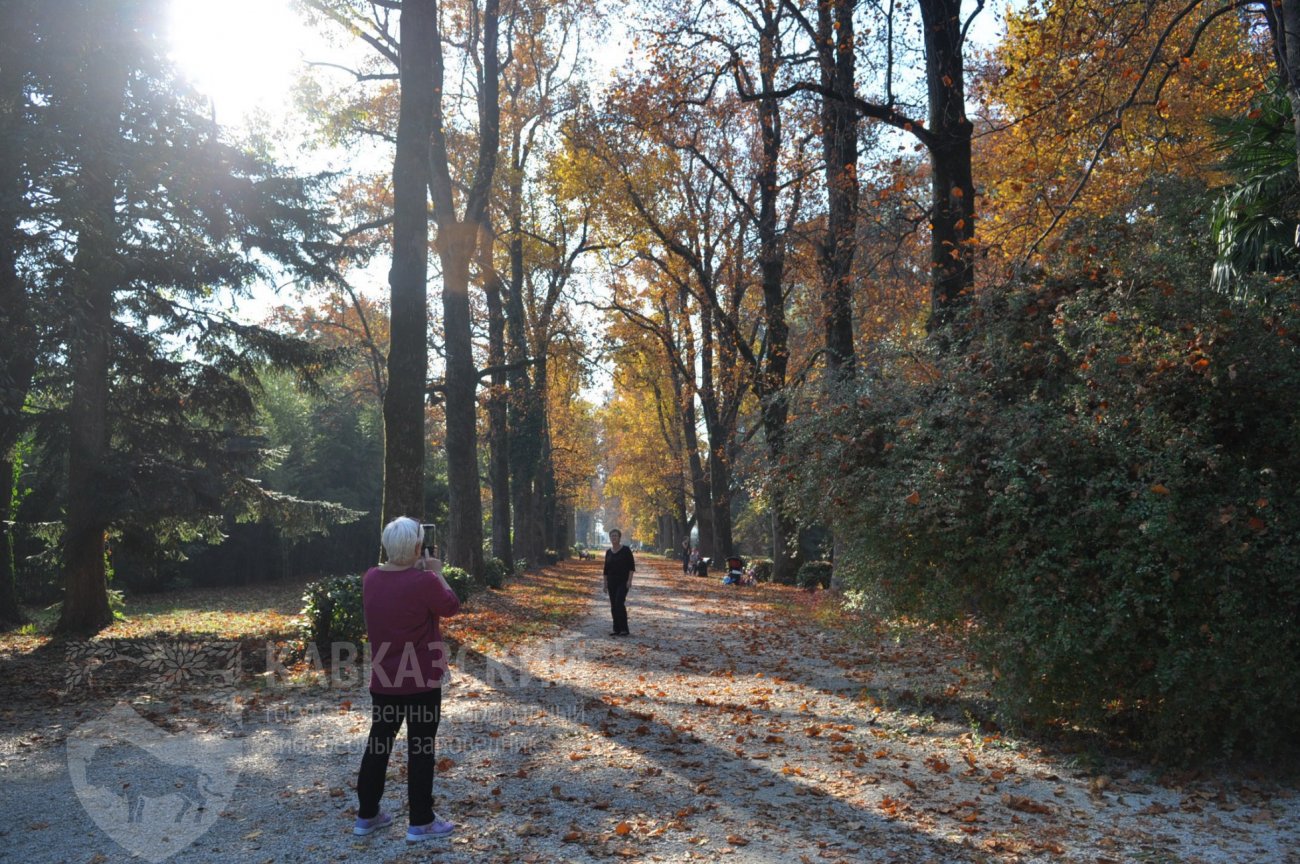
840	150
408	353
952	184
498	420
18	347
771	382
96	271
719	443
11	613
457	243
1287	53
524	412
701	493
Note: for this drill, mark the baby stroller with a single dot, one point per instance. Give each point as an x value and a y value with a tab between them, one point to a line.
735	571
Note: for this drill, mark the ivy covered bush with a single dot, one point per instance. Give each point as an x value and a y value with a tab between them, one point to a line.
495	572
813	574
761	569
460	581
1102	476
334	612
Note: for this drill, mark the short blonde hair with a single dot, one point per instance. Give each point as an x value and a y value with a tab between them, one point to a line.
401	540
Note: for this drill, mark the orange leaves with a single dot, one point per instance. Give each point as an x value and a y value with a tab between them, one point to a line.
937	764
913	499
1159	489
623	829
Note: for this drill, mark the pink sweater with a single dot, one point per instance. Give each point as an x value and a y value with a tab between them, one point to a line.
402	611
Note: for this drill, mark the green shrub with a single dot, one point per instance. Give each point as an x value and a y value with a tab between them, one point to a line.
814	573
495	572
1101	475
761	569
334	612
460	581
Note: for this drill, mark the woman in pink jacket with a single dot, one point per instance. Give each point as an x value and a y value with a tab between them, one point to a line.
403	600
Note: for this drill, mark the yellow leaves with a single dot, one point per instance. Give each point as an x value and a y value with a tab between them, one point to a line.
1059	85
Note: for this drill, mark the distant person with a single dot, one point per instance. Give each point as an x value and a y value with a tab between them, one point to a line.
403	601
619	567
686	555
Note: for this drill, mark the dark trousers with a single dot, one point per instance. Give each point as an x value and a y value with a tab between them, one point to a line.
618	602
421	713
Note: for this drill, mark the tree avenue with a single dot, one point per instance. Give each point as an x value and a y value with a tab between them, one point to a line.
994	329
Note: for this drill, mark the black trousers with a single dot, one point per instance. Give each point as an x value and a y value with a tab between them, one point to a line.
618	601
421	713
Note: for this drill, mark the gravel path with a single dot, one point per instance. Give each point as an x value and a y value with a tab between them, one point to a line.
716	732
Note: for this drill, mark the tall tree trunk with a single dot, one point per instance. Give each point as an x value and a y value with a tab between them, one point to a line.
498	420
701	499
840	151
456	244
524	416
546	503
1284	20
952	259
719	443
95	276
10	612
771	383
18	347
408	353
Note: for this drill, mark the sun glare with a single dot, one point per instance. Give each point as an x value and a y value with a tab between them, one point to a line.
242	54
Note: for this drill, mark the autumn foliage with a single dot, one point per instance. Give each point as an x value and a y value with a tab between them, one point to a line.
1101	481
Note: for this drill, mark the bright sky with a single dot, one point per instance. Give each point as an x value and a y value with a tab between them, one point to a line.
243	54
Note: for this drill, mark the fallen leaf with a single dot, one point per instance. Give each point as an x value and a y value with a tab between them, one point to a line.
1025	805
